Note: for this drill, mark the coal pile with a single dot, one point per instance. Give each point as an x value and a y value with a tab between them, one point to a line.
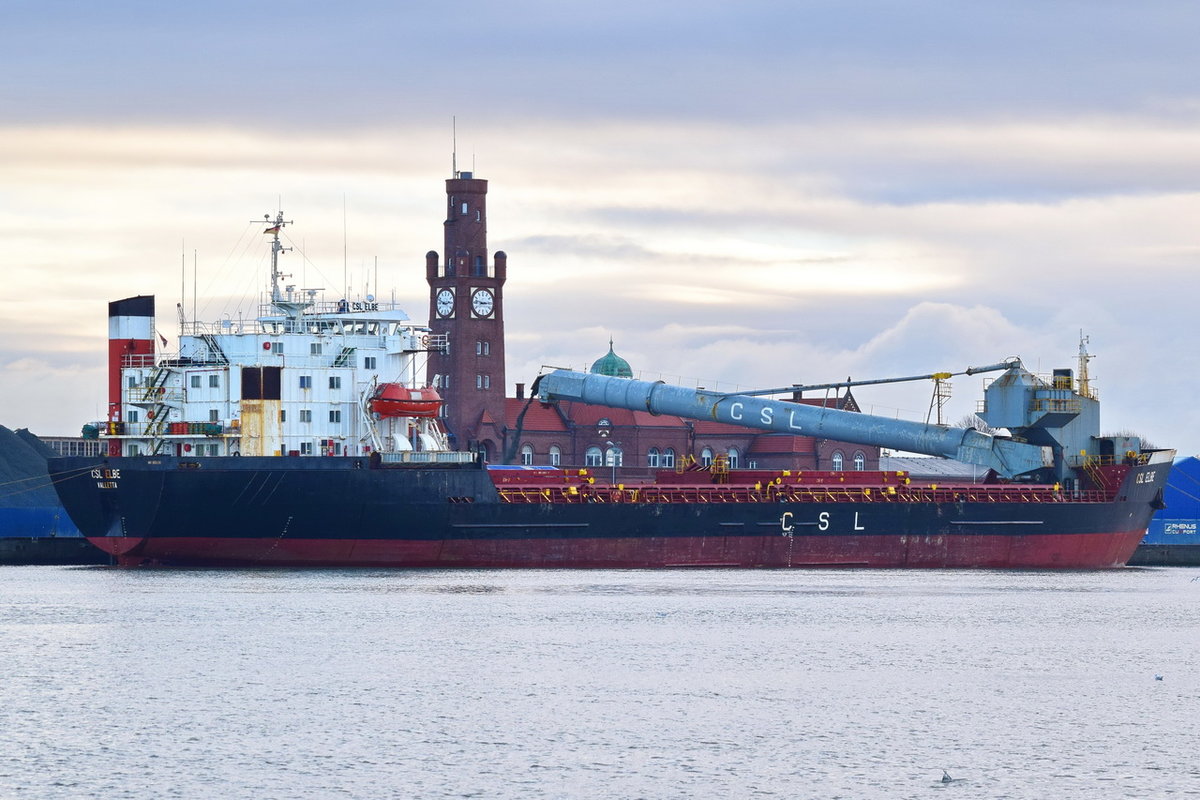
24	481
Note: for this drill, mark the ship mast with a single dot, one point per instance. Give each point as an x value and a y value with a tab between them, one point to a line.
290	307
1085	387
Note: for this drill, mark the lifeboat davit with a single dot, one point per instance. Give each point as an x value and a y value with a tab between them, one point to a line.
395	400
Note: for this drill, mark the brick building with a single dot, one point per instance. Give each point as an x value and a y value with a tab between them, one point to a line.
466	303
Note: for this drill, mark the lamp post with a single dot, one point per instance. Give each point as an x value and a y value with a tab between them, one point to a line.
615	451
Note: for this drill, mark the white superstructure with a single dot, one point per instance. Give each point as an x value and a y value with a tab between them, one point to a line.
297	380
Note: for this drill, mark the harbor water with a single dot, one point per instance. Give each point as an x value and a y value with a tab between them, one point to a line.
598	684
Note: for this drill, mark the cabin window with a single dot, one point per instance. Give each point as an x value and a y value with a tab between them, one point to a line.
668	458
652	458
132	416
306	381
527	454
214	415
277	348
706	457
733	455
132	382
335	415
592	457
133	450
860	461
214	381
195	382
282	415
314	349
306	448
369	362
335	381
838	458
306	415
555	455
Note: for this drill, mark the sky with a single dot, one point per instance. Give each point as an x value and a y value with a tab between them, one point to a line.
743	194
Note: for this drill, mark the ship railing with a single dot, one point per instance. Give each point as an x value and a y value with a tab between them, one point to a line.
1130	459
775	493
139	360
429	457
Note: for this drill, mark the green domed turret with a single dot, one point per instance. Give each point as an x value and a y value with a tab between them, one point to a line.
612	365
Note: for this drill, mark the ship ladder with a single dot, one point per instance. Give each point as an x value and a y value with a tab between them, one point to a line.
215	352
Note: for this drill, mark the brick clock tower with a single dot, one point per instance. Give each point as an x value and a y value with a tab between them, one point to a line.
466	304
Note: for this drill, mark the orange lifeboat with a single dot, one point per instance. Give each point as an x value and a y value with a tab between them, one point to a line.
395	400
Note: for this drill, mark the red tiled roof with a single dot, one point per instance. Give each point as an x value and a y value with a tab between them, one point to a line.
589	416
539	417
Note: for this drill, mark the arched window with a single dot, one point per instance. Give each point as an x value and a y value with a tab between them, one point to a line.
483	452
733	457
706	457
860	461
592	457
526	454
555	455
838	458
652	458
668	458
613	457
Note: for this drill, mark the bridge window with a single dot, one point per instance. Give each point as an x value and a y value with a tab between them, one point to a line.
592	457
652	458
838	458
860	461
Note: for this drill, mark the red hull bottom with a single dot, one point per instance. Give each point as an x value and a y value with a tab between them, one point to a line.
1074	551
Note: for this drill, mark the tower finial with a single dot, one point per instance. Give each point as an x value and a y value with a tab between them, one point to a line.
454	146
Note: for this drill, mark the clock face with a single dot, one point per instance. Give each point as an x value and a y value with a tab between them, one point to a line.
482	303
444	303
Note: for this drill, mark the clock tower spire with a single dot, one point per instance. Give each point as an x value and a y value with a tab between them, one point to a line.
466	303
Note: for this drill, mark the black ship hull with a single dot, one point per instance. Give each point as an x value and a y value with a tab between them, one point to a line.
352	512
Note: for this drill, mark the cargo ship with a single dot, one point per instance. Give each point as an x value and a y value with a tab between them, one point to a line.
34	527
307	437
1173	539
